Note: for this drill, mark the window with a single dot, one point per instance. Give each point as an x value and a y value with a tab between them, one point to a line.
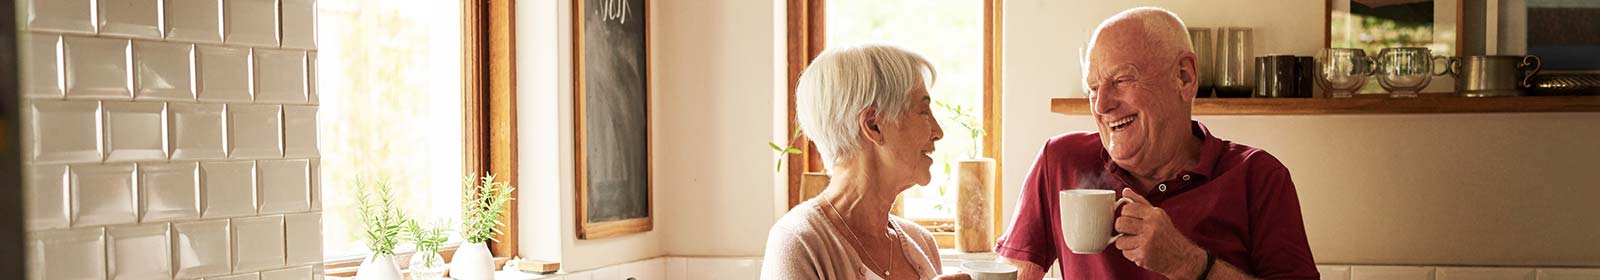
389	78
960	37
950	34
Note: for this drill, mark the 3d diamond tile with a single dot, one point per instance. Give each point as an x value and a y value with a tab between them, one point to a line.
228	189
42	66
65	254
97	68
300	24
280	76
258	243
194	21
250	22
66	131
316	184
135	131
292	273
255	131
171	191
68	16
311	78
196	131
130	18
139	252
303	232
162	71
202	248
284	186
245	276
300	131
46	199
102	194
223	74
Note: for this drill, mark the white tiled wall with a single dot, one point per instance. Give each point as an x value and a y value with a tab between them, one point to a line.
171	139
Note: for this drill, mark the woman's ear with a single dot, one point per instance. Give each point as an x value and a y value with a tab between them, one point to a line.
869	125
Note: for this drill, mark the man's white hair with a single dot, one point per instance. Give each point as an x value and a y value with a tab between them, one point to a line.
842	82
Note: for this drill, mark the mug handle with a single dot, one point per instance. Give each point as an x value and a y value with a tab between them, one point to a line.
1114	207
1442	70
1453	65
1526	61
1372	65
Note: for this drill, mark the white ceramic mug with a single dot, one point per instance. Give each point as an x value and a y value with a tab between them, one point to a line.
988	270
1086	217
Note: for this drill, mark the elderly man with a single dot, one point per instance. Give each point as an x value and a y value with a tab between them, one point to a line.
1203	207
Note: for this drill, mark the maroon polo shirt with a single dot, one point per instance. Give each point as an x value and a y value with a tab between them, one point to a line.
1237	203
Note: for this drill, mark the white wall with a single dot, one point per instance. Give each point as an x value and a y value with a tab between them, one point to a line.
133	174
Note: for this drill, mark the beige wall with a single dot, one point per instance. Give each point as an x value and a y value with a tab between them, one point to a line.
1494	189
1376	189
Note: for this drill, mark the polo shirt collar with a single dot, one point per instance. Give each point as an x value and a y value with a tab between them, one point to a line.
1211	150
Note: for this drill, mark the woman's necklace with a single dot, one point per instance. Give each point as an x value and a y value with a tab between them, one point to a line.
857	240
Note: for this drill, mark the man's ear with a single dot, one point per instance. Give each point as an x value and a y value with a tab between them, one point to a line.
868	124
1188	76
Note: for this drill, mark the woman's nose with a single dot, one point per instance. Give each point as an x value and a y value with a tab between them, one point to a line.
938	131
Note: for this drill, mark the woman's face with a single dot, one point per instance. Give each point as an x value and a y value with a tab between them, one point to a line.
908	143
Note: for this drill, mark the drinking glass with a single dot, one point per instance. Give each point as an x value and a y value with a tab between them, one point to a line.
1204	52
1342	72
1235	62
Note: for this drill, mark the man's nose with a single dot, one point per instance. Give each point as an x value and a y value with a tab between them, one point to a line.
1104	102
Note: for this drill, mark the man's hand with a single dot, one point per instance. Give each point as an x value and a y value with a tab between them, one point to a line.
1153	243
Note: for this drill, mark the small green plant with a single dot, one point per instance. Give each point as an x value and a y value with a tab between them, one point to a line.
964	117
429	238
787	149
483	202
379	216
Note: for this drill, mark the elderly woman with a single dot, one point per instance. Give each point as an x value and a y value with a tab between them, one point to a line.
867	108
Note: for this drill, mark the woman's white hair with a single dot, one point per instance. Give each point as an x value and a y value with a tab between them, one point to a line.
842	82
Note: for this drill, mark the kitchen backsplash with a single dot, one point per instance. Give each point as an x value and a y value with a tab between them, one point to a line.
171	139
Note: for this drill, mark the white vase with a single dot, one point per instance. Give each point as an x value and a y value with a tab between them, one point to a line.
378	267
472	262
426	266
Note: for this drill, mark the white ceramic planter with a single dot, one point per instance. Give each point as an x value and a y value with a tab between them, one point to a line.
377	267
472	262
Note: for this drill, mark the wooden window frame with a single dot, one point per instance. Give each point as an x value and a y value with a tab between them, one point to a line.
489	116
806	26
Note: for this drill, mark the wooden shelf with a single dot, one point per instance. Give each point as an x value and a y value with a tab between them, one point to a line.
1369	105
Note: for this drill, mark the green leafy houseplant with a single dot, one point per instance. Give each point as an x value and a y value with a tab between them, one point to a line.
787	149
483	202
379	216
963	117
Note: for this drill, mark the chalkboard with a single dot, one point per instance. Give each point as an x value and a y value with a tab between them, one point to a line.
611	97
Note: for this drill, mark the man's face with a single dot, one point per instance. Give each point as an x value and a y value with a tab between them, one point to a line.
1137	97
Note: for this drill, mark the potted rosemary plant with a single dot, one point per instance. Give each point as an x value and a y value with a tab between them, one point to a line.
426	264
382	222
483	202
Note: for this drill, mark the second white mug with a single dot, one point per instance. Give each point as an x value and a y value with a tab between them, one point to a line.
1086	219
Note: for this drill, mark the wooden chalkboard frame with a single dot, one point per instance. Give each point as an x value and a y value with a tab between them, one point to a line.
597	230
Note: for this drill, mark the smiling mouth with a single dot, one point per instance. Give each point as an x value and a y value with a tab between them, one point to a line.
1123	123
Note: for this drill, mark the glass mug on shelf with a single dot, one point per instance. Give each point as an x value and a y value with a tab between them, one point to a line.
1342	72
1406	71
1086	219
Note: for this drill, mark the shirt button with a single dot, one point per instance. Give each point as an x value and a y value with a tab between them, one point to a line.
1161	187
1185	177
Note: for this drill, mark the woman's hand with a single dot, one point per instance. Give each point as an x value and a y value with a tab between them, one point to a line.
957	276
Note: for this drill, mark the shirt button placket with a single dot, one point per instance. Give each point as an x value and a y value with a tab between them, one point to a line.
1185	177
1161	187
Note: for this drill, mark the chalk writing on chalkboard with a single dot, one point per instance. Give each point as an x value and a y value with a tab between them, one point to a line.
613	10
